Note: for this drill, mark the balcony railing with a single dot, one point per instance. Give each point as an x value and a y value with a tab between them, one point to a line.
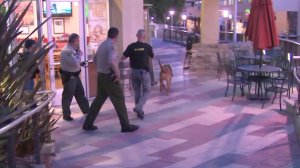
228	36
178	35
33	114
290	47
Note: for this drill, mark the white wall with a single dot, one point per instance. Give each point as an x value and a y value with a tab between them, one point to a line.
282	22
127	16
285	5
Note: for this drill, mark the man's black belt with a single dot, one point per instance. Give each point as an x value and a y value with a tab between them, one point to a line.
74	74
141	69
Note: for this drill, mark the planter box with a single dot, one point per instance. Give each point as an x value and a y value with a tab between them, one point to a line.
297	127
48	148
47	160
291	108
47	153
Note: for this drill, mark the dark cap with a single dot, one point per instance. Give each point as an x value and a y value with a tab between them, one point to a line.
28	43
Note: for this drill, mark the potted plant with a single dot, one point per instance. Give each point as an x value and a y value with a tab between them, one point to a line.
14	101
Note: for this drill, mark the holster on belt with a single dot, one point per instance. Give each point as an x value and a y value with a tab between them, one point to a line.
68	75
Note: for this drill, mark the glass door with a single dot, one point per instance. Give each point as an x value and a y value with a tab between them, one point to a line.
97	25
67	18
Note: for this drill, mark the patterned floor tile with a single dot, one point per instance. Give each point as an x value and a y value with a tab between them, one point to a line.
194	127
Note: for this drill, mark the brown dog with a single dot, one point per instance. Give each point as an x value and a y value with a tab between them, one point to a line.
166	74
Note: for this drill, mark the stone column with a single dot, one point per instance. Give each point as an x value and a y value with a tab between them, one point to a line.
127	16
209	26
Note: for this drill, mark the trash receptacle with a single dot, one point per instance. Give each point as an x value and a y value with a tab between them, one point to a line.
125	80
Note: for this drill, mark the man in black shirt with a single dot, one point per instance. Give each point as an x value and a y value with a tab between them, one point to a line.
139	54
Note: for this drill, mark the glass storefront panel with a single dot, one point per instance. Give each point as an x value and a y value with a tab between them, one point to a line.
97	25
94	26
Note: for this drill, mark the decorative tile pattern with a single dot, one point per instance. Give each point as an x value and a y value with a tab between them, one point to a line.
194	127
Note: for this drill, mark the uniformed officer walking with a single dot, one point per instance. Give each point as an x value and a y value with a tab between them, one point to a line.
70	62
139	54
107	61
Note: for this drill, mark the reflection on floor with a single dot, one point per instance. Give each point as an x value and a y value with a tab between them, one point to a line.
196	126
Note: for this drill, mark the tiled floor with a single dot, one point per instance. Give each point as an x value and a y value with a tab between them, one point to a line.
196	126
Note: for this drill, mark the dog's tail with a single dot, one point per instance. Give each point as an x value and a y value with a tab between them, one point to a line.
161	66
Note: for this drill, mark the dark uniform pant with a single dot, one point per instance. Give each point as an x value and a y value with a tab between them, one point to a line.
108	88
73	87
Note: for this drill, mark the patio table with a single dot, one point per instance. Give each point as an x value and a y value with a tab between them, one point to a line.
261	74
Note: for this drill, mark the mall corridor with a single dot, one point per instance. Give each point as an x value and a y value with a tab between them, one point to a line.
195	126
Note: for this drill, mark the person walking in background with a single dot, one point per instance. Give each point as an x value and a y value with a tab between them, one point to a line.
106	60
29	46
70	70
139	54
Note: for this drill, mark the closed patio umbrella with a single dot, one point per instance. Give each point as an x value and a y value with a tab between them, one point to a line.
261	28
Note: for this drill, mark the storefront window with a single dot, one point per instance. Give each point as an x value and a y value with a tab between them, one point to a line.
97	25
97	22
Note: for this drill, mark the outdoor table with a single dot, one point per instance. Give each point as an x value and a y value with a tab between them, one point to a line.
262	73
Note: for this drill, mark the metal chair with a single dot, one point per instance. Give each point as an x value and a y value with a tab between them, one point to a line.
234	79
240	52
277	85
221	65
239	57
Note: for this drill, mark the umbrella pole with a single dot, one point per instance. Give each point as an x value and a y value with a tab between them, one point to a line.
260	58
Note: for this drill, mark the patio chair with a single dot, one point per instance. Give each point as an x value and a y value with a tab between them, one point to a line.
286	73
277	85
241	52
221	65
239	60
275	52
234	79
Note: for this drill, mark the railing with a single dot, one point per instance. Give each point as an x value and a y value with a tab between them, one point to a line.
290	47
11	155
228	36
178	36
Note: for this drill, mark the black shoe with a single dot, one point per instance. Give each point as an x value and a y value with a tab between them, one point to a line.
68	118
140	115
153	84
131	128
90	128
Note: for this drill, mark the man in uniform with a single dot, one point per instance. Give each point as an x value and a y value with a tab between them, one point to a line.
139	54
70	62
106	60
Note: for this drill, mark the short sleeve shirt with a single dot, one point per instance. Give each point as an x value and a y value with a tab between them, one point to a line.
139	54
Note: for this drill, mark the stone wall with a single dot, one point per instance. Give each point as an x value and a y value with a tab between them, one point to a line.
204	56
